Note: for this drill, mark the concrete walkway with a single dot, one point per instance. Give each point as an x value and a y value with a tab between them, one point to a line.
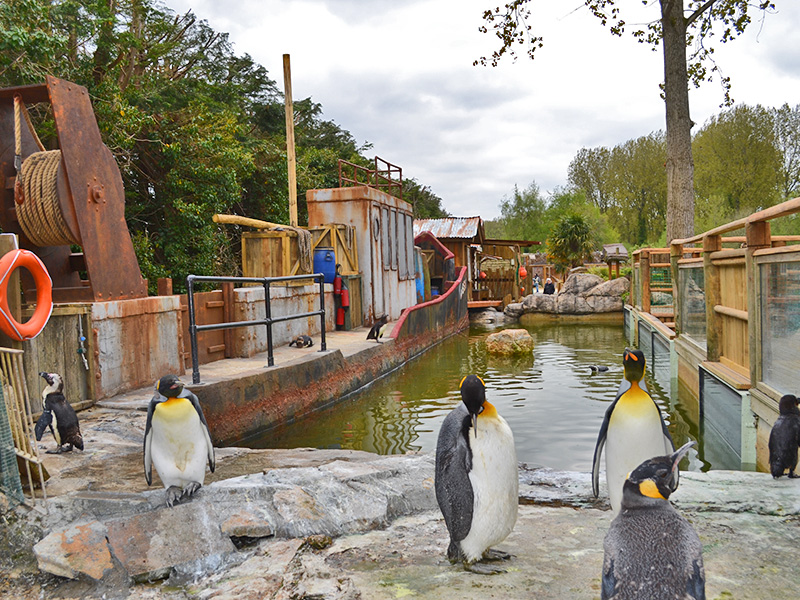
343	525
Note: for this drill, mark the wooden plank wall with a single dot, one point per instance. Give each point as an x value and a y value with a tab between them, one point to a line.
734	343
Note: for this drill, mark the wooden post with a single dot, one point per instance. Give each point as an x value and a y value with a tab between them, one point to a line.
713	292
758	236
644	273
8	242
675	254
291	161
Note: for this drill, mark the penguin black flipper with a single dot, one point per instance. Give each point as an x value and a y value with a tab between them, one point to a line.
209	446
696	586
44	421
148	440
598	449
453	488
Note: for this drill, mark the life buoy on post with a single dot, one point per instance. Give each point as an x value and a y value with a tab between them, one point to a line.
44	295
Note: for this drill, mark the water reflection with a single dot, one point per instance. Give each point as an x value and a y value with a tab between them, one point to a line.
553	402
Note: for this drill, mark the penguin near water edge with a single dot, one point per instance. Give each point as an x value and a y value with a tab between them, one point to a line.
176	440
58	415
784	438
633	430
378	330
651	552
476	479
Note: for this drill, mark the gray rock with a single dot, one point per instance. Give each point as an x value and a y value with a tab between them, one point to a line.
510	341
546	303
514	310
578	283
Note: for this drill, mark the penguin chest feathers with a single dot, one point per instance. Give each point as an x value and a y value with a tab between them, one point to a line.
178	436
494	482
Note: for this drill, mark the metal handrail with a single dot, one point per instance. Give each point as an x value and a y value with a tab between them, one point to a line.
268	321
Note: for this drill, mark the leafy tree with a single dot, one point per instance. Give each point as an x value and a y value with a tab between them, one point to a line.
566	202
787	135
523	214
588	171
425	204
737	159
570	242
680	24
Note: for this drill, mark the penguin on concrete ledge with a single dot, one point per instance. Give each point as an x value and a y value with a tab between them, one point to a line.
784	438
632	431
476	481
302	341
379	329
651	552
176	440
58	415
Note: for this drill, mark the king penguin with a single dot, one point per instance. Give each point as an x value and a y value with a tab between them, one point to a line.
632	431
58	415
176	440
784	438
476	479
651	552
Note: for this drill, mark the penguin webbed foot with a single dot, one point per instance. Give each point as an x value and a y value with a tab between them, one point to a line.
493	555
482	568
60	449
174	494
191	489
793	475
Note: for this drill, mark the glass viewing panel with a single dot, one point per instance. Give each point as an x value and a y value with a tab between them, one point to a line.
780	324
691	287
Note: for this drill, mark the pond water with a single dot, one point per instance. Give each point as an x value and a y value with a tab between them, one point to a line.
551	400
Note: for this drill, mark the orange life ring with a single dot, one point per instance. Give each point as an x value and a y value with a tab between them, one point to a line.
44	295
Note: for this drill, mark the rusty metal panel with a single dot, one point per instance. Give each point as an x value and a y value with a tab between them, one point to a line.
210	307
450	227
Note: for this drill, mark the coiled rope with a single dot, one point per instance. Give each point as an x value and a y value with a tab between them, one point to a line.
38	210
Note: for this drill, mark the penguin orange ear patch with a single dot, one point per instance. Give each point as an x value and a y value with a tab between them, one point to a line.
649	488
481	379
460	383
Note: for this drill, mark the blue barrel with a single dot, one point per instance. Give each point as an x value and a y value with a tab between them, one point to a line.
325	263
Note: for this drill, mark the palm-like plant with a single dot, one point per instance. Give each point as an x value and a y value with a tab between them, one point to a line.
570	242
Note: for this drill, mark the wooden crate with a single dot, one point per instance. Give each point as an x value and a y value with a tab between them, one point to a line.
270	254
342	238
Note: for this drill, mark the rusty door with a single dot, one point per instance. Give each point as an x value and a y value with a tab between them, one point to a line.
211	308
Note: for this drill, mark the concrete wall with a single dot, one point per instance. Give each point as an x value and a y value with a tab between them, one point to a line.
134	343
284	300
383	289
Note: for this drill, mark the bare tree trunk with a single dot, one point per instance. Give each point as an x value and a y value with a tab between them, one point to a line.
680	166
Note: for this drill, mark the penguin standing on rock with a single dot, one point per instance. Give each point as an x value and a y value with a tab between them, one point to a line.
176	440
58	415
377	331
632	431
651	552
784	438
476	479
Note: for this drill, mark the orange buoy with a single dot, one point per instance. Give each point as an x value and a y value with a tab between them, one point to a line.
44	295
523	272
482	275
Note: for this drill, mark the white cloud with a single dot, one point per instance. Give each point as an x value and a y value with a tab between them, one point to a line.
399	75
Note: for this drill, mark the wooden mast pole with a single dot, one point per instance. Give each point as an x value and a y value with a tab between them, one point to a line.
290	155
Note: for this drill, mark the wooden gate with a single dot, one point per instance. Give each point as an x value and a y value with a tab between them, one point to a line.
210	308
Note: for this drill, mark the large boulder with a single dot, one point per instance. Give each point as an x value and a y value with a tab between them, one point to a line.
582	294
510	342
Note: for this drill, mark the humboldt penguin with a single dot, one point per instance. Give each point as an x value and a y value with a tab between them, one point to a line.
302	341
476	479
58	415
651	552
784	438
377	331
632	431
176	440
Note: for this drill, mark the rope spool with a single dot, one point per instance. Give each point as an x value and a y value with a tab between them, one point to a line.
38	210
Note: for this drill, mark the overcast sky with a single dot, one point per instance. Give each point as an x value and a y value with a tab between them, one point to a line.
398	74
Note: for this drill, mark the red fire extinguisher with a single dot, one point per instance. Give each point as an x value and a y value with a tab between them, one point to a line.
337	285
345	297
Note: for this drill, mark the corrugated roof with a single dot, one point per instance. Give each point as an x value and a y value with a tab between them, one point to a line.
449	227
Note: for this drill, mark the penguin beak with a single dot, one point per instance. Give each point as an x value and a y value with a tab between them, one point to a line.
678	455
475	423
